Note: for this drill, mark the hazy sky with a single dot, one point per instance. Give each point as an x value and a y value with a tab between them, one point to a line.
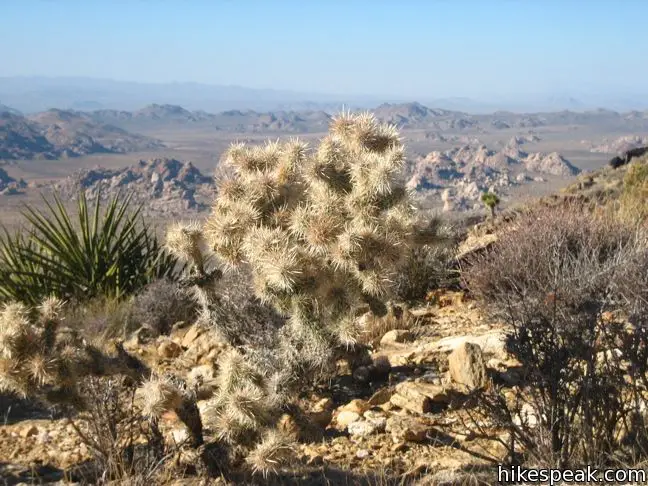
386	47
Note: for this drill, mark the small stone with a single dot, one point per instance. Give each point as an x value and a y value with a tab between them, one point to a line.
399	447
406	429
466	366
29	431
190	336
381	396
361	428
346	417
362	454
418	403
179	435
356	405
396	336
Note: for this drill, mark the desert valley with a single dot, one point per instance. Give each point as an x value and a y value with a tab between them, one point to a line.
452	157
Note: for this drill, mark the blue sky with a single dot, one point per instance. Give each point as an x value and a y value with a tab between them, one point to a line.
380	47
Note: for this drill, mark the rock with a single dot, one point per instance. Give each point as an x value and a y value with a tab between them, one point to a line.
190	336
436	393
29	431
417	403
467	367
475	244
169	350
419	397
362	428
396	336
381	396
357	405
362	454
406	429
346	417
526	417
491	343
180	435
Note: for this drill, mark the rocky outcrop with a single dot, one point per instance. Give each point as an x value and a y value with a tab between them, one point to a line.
551	164
9	185
461	175
620	145
166	185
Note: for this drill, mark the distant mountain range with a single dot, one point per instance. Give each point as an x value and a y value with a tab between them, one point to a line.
68	133
34	94
62	133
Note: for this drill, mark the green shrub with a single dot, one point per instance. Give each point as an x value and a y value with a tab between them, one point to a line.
100	251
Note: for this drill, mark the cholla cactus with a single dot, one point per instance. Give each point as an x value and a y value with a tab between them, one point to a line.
323	232
36	358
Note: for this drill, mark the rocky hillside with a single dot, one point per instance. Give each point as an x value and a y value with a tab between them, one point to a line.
619	145
461	175
400	412
166	186
62	133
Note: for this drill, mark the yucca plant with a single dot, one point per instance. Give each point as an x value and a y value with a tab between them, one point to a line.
97	251
491	201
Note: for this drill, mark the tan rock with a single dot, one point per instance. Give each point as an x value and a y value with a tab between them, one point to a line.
396	336
407	429
346	417
466	366
436	393
381	396
357	405
417	403
418	397
29	431
190	336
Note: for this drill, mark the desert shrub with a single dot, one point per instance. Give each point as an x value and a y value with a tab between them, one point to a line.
570	288
100	318
123	446
635	191
160	305
429	265
96	252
